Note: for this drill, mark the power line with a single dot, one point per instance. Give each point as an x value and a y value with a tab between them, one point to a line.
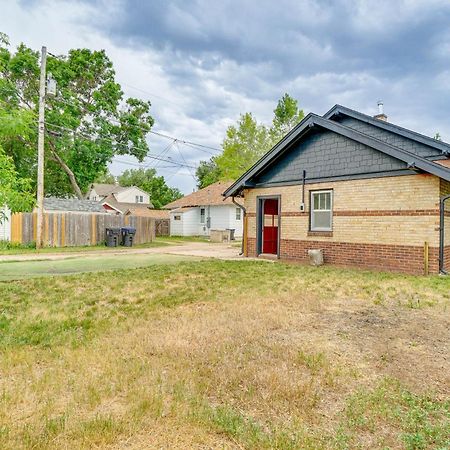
131	163
201	147
182	157
93	138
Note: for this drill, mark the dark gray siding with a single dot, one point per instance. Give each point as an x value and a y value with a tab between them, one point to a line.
390	137
325	154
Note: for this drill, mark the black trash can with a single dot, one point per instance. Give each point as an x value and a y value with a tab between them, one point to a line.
128	236
112	237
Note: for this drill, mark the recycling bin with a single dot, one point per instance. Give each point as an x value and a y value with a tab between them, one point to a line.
128	234
112	237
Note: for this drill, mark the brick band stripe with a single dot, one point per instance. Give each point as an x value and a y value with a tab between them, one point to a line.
368	213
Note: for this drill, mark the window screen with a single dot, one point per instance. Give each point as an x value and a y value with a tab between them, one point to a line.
321	211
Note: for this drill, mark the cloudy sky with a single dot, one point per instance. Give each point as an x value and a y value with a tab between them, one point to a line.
202	63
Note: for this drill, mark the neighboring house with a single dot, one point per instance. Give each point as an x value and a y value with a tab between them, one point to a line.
55	204
365	191
198	213
138	210
111	205
5	224
107	193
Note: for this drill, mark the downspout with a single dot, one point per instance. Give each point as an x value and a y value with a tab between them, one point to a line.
442	234
244	211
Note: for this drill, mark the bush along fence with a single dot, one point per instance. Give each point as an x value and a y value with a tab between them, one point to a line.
77	229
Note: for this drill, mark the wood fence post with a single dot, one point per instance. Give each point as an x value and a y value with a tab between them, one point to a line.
93	229
20	240
55	230
46	229
63	230
34	220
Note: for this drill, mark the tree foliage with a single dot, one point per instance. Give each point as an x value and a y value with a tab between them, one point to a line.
88	122
207	173
160	193
247	141
15	192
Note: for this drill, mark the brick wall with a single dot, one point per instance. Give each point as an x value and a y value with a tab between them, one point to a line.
445	190
379	223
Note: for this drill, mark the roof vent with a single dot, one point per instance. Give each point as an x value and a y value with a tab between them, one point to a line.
381	115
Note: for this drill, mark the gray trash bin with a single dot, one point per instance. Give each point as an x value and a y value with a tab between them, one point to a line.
112	237
231	230
128	236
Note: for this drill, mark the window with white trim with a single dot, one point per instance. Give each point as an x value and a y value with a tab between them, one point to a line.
177	217
238	213
202	215
321	210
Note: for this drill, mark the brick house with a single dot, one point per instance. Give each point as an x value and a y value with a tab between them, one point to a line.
364	190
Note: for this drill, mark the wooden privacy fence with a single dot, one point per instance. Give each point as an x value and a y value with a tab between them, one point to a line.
76	229
162	227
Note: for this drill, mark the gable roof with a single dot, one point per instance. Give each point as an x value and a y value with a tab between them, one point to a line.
123	207
105	189
210	195
72	204
421	138
313	120
145	211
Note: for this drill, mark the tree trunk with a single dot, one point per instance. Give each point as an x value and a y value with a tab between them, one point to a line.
69	173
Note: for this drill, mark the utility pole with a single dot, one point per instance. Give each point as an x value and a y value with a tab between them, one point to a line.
41	136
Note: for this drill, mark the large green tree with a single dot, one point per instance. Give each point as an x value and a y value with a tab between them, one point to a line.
207	173
15	192
88	122
247	141
160	193
286	116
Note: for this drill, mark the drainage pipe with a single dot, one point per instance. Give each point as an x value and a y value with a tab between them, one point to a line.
442	234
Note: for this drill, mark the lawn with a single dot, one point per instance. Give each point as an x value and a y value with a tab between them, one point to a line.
7	248
17	270
225	354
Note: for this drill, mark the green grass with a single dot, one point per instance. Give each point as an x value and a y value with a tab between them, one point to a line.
243	354
17	270
424	420
7	248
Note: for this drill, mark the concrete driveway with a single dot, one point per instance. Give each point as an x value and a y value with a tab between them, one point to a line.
199	249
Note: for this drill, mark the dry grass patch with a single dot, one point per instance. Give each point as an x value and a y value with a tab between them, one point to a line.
225	355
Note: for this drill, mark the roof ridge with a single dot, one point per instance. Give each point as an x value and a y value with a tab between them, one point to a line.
313	119
403	131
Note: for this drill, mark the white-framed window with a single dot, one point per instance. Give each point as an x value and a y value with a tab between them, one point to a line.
202	215
322	210
238	213
137	198
141	199
177	217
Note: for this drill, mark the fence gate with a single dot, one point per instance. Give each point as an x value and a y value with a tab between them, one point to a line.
162	227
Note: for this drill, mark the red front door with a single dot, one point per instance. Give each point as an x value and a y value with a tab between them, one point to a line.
270	226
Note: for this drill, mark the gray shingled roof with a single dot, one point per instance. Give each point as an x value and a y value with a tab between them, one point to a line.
312	120
72	204
105	189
